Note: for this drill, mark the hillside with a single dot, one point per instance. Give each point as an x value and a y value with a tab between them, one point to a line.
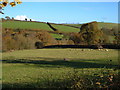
61	27
36	25
101	25
44	26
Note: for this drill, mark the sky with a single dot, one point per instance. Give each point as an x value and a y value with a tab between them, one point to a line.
65	12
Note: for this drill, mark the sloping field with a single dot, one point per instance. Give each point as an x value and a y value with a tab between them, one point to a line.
44	26
25	25
101	25
108	25
36	25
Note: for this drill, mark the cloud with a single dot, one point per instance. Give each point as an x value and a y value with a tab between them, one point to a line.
22	17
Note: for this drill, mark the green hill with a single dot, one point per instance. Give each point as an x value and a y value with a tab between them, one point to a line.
36	25
44	26
61	27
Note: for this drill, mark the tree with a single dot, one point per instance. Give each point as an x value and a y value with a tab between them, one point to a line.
45	38
4	3
91	33
76	38
25	19
7	17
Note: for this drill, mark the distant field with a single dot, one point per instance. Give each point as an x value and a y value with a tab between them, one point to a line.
31	68
44	26
101	24
66	28
36	25
107	25
57	36
25	25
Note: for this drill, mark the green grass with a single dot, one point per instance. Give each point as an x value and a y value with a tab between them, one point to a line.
57	36
107	25
44	26
35	25
66	28
25	25
100	24
32	68
63	53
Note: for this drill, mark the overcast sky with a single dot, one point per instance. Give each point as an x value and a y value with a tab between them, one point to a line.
65	12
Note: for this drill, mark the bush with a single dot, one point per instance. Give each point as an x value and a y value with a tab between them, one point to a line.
17	41
76	38
45	38
39	45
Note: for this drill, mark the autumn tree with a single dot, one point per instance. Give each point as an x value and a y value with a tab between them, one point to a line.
4	3
76	38
91	33
45	38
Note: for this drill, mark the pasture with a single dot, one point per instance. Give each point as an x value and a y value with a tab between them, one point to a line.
44	26
55	68
36	25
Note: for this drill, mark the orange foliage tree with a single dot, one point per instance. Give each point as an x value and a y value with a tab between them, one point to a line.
4	3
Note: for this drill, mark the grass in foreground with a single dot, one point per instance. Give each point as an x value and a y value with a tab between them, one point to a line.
46	68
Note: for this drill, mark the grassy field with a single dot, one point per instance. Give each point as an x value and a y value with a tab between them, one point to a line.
47	67
36	25
44	26
100	24
25	25
57	36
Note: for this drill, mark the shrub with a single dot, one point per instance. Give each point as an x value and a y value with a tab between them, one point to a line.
39	45
76	38
18	41
46	38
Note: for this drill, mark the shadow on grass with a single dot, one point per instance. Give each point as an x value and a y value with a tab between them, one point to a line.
53	62
70	82
57	84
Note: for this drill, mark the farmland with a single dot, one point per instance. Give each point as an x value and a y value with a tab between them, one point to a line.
61	27
46	68
36	25
44	26
57	67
